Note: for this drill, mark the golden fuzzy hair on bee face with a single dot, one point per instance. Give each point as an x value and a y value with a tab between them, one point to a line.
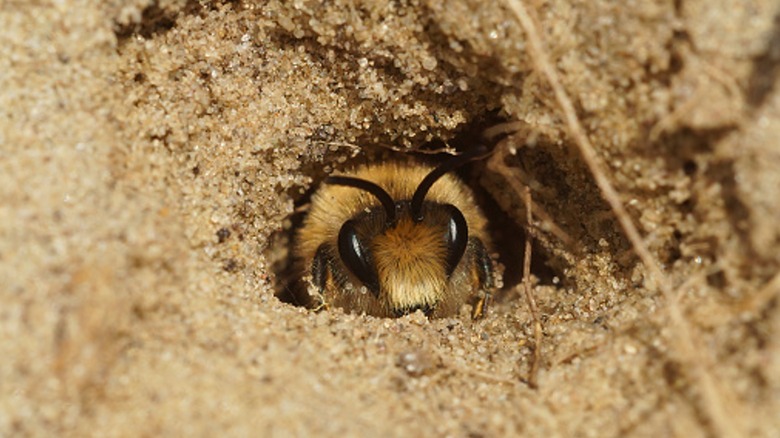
389	239
410	262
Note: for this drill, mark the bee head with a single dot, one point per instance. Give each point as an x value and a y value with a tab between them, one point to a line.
404	251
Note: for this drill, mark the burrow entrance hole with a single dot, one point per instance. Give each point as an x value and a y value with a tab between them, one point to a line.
507	235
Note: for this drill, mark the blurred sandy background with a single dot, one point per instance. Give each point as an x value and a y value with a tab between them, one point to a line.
149	151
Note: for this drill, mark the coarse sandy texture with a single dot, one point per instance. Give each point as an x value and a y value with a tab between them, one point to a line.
151	150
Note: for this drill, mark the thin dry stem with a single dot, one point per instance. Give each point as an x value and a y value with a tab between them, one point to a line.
497	165
713	397
529	296
447	149
754	303
503	129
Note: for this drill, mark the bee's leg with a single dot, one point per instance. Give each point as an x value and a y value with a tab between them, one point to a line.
483	266
319	275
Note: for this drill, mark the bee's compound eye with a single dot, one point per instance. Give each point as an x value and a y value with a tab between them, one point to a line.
357	256
457	237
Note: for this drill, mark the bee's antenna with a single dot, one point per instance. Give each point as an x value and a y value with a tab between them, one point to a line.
448	166
379	192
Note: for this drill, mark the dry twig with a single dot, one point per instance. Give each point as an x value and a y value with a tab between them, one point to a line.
534	371
767	293
497	165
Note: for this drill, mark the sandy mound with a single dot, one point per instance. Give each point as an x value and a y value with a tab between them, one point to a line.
152	154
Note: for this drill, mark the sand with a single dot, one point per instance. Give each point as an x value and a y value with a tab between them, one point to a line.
153	155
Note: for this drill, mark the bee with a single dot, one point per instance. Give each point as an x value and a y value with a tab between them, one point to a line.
392	238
